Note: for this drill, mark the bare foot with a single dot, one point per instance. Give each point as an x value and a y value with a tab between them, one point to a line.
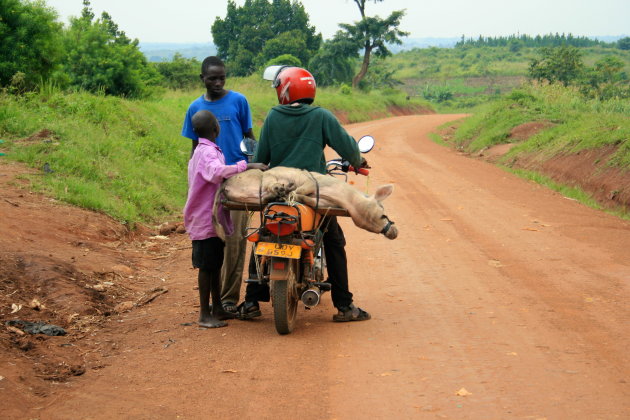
211	322
222	314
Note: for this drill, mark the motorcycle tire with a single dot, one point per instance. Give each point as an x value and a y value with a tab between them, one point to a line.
285	304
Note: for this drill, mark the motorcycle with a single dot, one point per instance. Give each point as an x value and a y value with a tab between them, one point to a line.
288	246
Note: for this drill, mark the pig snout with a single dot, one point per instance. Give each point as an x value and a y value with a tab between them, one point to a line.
392	233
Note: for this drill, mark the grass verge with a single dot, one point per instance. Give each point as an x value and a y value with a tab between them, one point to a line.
126	158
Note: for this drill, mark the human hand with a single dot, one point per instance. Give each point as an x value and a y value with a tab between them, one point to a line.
260	166
364	163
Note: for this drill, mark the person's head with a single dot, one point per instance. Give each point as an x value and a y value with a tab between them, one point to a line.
206	125
213	75
295	84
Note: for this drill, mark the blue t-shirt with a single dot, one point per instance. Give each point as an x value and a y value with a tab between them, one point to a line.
235	118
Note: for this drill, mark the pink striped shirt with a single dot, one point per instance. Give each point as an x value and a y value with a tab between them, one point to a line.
206	171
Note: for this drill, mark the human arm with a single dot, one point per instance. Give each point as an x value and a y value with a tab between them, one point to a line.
263	151
254	165
249	134
338	138
214	170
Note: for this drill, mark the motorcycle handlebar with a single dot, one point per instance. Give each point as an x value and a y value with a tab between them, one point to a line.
360	171
345	166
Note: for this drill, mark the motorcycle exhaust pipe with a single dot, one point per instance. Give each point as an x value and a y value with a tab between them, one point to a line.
310	297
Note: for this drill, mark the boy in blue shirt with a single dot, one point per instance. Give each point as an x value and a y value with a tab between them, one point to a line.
234	116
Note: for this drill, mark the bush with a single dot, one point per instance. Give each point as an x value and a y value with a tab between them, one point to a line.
285	59
344	89
30	40
437	93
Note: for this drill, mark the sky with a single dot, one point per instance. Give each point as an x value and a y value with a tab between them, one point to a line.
188	21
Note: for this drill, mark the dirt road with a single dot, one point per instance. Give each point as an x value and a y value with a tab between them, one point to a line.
500	299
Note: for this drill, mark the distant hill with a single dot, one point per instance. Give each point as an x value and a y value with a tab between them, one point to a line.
410	43
161	51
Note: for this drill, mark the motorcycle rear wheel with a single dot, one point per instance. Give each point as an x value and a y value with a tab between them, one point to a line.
285	303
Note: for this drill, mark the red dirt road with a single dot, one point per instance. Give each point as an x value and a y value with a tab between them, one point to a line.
499	300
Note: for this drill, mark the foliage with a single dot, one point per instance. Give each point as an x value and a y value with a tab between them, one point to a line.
179	72
549	40
100	57
573	123
30	42
333	64
252	34
371	35
562	64
285	59
624	43
605	80
437	93
381	75
290	43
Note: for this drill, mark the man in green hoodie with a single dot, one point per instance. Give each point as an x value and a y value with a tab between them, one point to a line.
295	134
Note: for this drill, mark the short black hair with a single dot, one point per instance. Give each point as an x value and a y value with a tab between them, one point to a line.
210	62
204	123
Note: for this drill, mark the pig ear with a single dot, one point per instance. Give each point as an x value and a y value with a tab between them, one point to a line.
383	192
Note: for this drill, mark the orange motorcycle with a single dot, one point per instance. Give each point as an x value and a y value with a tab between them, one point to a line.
289	250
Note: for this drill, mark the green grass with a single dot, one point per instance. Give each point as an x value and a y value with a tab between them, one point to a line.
575	124
126	158
437	139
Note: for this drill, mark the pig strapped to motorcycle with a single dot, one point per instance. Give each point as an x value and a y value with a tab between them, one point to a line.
292	139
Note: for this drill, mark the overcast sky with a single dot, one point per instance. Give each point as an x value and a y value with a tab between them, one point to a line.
190	20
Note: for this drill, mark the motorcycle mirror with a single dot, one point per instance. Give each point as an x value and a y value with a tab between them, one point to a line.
366	143
248	146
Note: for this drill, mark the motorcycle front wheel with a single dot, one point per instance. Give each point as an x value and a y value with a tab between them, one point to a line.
285	303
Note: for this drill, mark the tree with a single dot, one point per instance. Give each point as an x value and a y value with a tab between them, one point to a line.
287	43
100	57
560	64
624	43
284	60
180	72
606	79
30	41
333	62
371	34
252	34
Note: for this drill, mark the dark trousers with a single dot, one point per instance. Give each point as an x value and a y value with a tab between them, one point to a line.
337	267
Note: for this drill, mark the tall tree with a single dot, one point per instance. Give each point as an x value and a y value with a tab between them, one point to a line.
372	34
242	36
30	41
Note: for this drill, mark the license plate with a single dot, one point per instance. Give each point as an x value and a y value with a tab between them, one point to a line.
279	250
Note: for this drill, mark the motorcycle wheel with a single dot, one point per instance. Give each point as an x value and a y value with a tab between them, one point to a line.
285	304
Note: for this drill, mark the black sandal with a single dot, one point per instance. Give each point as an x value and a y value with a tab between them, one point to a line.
230	307
350	313
248	310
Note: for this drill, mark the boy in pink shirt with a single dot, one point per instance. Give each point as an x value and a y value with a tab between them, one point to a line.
206	171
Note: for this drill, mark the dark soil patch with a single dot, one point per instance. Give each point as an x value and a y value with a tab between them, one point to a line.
587	170
68	267
524	131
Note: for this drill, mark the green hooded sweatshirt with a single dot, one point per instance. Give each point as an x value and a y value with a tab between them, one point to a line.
295	136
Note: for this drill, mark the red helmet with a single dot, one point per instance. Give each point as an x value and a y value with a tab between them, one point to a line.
293	84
